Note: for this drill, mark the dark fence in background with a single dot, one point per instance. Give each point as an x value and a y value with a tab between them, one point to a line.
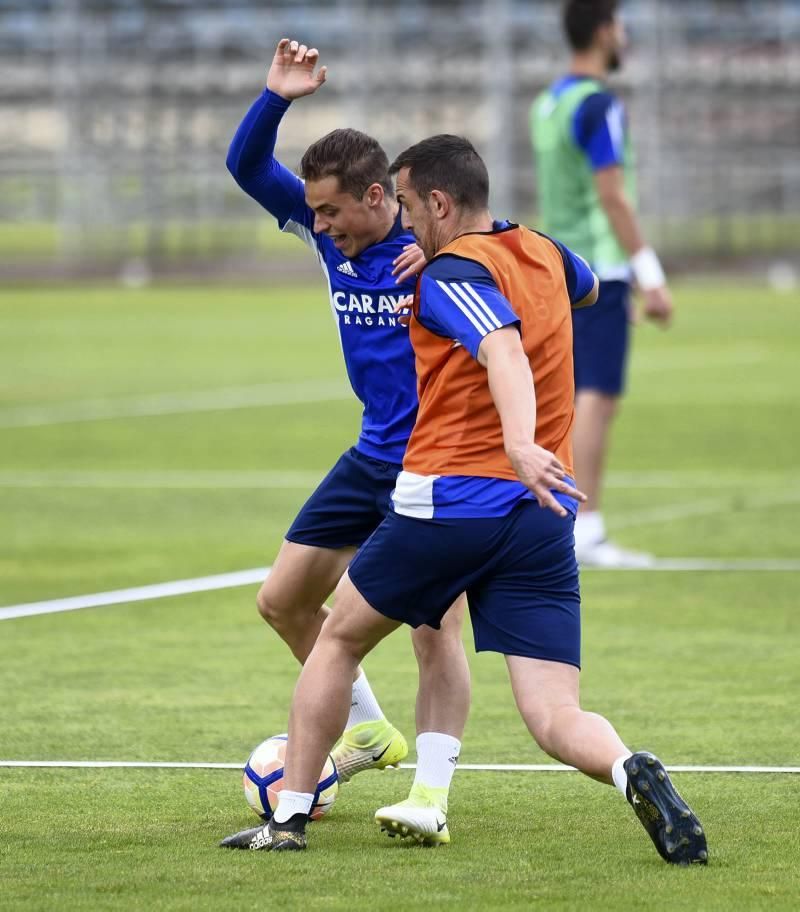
116	115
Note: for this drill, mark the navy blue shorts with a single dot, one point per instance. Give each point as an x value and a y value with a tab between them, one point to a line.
349	504
519	573
600	336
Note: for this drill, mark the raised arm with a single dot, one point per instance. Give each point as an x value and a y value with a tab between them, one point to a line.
251	158
292	73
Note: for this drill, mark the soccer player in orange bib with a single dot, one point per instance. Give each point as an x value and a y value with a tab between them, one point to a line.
484	505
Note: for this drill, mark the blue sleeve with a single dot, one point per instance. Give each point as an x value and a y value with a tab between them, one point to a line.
599	130
254	168
580	278
459	299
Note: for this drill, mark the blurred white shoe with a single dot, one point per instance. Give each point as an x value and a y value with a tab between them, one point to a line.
607	554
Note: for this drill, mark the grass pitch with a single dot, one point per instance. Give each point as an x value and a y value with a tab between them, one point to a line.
700	667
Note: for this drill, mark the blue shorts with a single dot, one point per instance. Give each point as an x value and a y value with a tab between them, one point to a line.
349	504
519	573
600	336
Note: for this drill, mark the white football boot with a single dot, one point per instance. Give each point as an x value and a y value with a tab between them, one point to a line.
421	817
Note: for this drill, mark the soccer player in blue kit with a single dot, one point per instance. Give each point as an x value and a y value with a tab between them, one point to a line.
485	504
344	209
587	199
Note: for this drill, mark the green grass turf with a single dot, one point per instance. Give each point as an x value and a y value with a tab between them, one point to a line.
146	840
699	667
741	234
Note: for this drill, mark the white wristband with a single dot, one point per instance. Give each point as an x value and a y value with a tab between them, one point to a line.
647	269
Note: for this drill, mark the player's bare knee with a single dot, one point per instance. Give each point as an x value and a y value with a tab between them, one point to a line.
538	723
609	407
271	607
543	734
263	605
432	645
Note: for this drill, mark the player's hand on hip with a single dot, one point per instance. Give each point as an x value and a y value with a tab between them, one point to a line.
542	473
658	305
411	262
403	309
291	74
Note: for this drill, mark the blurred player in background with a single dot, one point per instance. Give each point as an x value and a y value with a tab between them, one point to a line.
346	212
484	504
585	175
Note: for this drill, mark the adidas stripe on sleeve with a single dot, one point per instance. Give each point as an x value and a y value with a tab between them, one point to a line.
460	300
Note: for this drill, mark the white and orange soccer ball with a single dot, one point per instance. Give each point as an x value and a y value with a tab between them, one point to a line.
263	780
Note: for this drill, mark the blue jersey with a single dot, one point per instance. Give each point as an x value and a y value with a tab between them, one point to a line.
580	129
598	125
363	292
459	299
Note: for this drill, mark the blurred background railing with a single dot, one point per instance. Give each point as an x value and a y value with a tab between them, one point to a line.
115	118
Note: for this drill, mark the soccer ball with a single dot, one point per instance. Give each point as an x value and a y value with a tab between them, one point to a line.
263	780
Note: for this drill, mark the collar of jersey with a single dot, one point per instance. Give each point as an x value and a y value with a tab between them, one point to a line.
566	82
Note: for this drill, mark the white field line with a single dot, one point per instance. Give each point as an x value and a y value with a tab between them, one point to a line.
707	395
706	565
138	594
666	479
307	480
686	360
669	513
223	399
278	393
257	574
163	479
254	479
704	508
482	767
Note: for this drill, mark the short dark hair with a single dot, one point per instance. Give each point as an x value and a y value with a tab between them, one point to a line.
447	163
357	160
582	19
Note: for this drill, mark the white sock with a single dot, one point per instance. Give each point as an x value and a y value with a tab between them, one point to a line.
363	705
589	529
437	756
291	803
619	775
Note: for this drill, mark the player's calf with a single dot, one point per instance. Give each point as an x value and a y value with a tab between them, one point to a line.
297	624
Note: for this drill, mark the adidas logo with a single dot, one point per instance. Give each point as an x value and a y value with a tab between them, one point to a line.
347	269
